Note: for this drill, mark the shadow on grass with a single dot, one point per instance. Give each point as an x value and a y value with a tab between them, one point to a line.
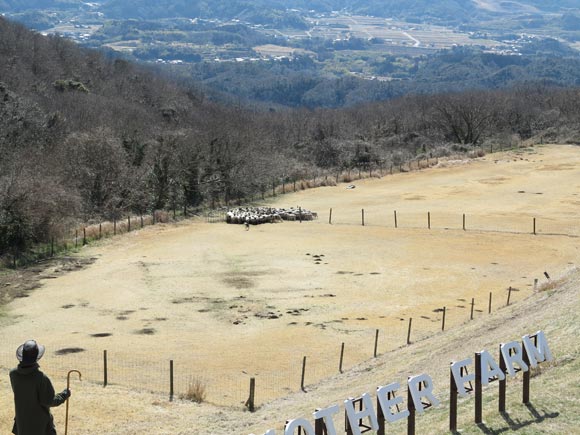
514	425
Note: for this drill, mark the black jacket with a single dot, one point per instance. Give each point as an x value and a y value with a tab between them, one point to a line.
33	396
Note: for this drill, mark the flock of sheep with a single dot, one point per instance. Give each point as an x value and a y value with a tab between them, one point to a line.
263	215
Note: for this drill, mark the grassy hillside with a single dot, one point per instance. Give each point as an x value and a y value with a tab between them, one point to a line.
554	388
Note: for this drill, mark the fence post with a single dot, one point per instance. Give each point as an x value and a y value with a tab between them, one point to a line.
300	214
141	221
502	383
396	219
409	331
380	418
330	217
411	408
534	226
76	238
171	380
527	374
489	307
105	370
429	220
443	320
250	402
509	295
303	373
341	358
463	221
478	389
376	342
100	230
472	305
363	216
452	402
84	236
115	226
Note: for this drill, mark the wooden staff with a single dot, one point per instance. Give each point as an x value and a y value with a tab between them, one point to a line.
68	388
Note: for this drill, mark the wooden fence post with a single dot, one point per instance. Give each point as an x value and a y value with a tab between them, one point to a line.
76	238
303	374
452	402
115	226
509	295
478	390
409	331
489	307
396	219
363	217
84	236
429	220
341	358
502	383
100	230
171	380
250	403
527	374
105	369
472	305
330	217
376	342
411	408
128	224
463	221
534	226
443	320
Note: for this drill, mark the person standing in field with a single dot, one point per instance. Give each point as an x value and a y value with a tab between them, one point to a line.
33	393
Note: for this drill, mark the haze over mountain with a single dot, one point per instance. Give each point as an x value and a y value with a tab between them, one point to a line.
327	53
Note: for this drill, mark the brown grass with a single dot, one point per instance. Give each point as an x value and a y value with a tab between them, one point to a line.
196	391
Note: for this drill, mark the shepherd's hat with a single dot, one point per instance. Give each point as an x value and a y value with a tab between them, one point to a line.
30	352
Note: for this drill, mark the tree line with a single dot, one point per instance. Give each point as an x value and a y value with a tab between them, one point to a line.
84	137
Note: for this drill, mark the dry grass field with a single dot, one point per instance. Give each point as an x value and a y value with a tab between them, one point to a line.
228	304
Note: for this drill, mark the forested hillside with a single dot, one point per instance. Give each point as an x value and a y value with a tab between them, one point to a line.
86	137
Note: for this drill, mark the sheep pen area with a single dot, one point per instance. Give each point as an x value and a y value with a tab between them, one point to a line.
268	215
228	304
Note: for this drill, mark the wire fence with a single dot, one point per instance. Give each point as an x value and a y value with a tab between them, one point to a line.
227	382
441	220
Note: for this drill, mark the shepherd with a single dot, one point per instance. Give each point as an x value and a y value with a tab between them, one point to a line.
33	393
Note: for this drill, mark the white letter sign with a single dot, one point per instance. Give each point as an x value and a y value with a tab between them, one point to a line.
367	411
460	380
515	357
426	392
537	354
387	404
326	416
489	368
295	424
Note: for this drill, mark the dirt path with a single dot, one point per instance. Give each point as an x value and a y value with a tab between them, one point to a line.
227	304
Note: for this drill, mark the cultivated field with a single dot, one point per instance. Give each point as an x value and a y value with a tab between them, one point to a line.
227	304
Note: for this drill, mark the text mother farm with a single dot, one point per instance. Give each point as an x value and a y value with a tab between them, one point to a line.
360	412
